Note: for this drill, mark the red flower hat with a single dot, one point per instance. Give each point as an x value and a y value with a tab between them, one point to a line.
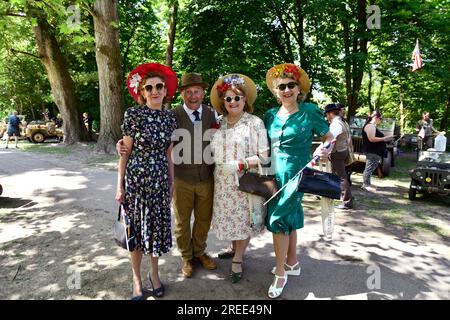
135	77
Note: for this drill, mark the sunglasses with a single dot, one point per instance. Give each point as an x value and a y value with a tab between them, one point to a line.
158	87
236	98
290	85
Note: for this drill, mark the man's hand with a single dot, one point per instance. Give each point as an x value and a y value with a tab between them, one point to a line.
122	150
322	152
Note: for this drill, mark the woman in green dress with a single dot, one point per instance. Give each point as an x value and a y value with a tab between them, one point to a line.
290	128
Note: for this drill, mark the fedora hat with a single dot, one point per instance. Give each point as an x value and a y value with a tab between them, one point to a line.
228	81
192	79
331	107
288	70
135	77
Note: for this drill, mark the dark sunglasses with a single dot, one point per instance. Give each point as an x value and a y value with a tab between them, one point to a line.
290	85
236	98
158	87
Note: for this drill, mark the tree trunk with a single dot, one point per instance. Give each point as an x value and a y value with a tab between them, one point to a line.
107	51
369	90
377	102
446	117
402	113
61	83
301	35
172	30
348	75
359	55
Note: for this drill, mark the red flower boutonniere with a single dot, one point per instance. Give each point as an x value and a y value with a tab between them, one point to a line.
215	125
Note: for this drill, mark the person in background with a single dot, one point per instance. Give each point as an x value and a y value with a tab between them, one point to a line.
13	129
339	153
374	146
290	128
145	174
87	119
425	130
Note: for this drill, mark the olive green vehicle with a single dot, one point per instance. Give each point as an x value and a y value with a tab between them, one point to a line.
39	131
431	174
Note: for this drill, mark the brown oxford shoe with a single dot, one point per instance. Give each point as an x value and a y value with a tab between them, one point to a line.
188	268
207	262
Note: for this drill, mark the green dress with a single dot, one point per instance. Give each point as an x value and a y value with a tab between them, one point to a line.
290	140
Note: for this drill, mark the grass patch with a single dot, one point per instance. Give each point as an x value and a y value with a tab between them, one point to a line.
45	148
104	161
425	226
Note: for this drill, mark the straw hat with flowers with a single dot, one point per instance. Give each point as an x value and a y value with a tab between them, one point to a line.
236	80
288	70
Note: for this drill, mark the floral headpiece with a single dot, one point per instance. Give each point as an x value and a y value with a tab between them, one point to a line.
135	81
287	71
228	82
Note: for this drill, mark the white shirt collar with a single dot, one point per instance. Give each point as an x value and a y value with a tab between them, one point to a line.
190	111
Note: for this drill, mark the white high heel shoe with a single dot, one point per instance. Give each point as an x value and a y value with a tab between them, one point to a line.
292	271
275	292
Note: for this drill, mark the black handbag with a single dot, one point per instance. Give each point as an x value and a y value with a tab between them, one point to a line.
124	231
319	183
258	184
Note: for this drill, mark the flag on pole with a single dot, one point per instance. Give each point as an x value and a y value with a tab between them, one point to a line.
416	57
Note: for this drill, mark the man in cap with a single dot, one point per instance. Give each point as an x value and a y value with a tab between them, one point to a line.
194	184
339	154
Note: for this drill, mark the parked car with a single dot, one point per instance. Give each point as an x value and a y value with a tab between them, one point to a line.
388	127
38	131
431	174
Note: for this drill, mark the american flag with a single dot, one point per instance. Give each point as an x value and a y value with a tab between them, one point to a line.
416	57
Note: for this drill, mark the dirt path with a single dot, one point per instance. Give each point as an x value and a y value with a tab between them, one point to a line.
56	214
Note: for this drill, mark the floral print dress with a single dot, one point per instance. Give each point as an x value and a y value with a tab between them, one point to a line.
231	207
147	195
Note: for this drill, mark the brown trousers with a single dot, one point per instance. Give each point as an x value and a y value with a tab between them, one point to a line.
338	167
187	198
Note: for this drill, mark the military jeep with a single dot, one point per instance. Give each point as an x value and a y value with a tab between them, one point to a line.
38	131
387	126
431	174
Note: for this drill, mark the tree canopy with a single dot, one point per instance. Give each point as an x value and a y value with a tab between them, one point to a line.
355	52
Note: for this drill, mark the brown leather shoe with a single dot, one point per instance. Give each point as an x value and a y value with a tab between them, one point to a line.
207	262
188	268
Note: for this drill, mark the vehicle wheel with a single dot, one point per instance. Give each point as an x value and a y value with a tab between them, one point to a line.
38	137
1	189
387	164
412	192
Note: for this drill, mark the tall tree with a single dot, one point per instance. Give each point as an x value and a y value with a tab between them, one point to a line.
61	82
109	73
172	31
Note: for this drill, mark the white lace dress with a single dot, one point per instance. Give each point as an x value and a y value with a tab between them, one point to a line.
232	208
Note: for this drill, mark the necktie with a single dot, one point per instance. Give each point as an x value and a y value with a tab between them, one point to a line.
197	115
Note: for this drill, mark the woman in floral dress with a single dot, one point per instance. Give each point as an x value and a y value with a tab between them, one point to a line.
236	146
145	174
